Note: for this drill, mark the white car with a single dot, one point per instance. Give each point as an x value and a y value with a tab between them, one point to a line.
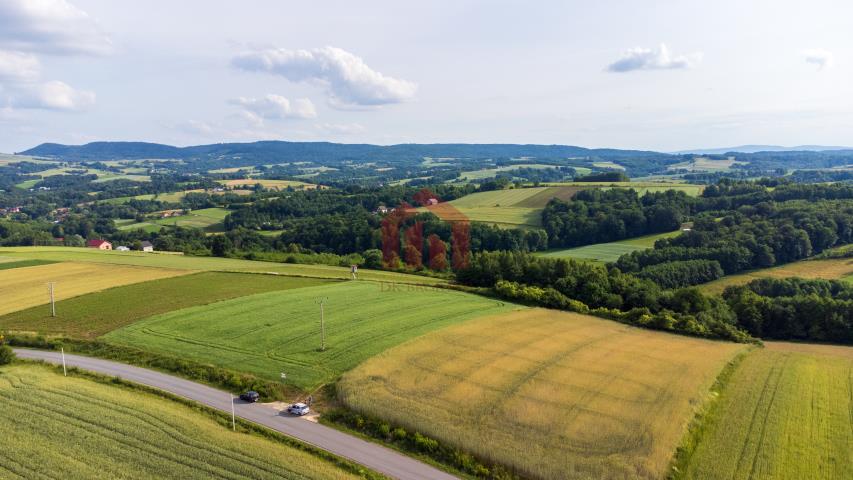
298	409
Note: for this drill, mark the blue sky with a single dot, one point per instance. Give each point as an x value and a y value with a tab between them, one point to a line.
663	75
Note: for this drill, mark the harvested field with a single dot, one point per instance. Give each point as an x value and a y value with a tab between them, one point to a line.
187	262
828	269
552	394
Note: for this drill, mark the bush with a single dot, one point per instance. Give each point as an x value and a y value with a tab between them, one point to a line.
6	355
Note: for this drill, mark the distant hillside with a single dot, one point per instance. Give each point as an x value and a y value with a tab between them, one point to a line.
279	151
761	148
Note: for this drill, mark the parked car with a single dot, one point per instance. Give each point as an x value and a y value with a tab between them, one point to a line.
298	409
251	396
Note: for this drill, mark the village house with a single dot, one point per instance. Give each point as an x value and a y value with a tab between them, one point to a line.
147	246
99	244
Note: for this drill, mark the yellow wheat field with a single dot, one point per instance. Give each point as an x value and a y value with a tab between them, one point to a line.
26	287
551	394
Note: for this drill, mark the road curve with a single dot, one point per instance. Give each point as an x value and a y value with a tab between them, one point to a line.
373	456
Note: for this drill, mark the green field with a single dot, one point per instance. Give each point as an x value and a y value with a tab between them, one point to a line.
95	314
641	187
786	413
163	197
523	206
275	332
8	264
186	262
492	172
704	164
510	207
209	219
72	428
551	394
609	252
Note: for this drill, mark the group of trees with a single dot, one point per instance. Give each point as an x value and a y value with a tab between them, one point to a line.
759	236
588	288
794	309
598	216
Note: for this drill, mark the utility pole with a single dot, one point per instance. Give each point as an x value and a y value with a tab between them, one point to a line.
52	303
64	371
322	302
233	415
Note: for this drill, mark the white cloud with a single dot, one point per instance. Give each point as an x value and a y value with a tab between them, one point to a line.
817	56
50	26
274	106
18	67
349	82
22	87
653	59
53	95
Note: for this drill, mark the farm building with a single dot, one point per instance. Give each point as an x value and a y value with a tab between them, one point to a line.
99	244
147	246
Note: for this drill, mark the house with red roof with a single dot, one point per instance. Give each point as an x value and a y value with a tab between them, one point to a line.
99	244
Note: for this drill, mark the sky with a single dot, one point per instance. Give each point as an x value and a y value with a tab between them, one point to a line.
660	75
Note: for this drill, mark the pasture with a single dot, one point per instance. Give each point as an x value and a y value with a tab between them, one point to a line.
608	252
551	394
510	207
705	164
492	172
523	206
271	184
73	428
186	262
827	269
641	187
94	314
785	413
27	286
274	332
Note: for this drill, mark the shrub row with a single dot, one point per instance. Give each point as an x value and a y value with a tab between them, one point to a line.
416	442
699	325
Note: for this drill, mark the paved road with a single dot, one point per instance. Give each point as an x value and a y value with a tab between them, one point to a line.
371	455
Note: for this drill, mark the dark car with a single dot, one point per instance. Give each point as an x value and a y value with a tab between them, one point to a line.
250	396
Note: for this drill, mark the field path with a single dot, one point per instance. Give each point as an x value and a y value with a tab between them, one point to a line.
373	456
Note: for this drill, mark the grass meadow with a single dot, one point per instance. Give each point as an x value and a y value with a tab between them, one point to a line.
274	332
73	428
273	184
785	413
187	262
26	287
551	394
827	269
94	314
609	252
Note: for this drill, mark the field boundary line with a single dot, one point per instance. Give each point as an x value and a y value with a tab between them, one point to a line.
705	416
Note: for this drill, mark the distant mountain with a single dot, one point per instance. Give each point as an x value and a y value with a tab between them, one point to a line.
280	151
761	148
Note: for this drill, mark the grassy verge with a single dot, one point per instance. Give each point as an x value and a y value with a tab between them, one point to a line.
705	416
416	445
222	419
230	380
